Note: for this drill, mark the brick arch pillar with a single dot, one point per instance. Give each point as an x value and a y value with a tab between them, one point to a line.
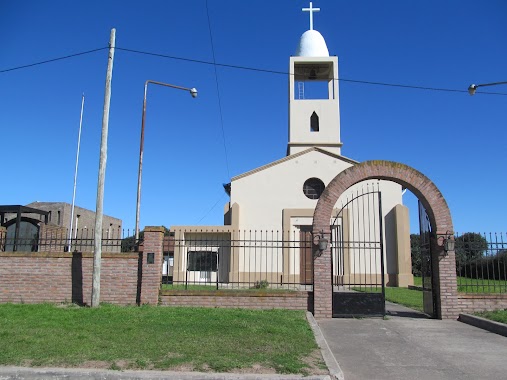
444	268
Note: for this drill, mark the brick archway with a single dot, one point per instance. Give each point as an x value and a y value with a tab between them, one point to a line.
438	212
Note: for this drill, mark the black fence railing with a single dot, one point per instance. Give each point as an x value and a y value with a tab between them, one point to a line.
270	260
58	239
481	262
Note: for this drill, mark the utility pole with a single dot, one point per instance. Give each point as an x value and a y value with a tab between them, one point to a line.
97	254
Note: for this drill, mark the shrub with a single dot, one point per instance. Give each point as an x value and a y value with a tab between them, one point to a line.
263	284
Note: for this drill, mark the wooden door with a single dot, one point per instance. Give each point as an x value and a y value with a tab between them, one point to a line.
306	257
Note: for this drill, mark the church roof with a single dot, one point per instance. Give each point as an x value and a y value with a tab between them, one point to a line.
312	44
292	156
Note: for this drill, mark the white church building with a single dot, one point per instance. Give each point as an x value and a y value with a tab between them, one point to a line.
267	222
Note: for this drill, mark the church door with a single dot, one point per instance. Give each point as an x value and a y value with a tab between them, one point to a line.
306	257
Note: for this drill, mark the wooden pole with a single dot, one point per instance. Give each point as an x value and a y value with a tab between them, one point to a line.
97	254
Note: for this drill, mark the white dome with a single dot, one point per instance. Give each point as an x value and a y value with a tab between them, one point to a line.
312	44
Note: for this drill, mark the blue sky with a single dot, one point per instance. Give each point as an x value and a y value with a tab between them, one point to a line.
457	140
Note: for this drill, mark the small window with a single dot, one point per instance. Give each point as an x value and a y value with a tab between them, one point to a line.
203	261
313	188
314	122
59	218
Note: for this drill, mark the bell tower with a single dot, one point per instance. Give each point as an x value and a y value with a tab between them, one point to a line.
314	110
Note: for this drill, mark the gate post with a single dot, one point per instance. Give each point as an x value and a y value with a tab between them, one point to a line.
322	279
444	274
151	265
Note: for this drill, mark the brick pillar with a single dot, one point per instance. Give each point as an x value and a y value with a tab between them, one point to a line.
445	276
322	282
151	274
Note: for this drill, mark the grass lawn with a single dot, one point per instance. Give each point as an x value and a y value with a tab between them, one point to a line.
414	298
473	285
406	297
114	337
403	296
498	315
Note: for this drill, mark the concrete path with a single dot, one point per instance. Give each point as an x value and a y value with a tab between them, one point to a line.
407	345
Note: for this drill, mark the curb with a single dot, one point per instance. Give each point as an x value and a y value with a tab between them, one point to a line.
483	323
23	373
333	366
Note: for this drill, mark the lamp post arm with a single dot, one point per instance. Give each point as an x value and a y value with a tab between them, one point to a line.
473	87
489	84
164	84
193	92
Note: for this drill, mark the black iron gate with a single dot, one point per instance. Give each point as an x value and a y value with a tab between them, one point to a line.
358	256
429	301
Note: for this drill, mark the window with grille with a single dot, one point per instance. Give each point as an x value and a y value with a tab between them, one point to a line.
204	261
313	188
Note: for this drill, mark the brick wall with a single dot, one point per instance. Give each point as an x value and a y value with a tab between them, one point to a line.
126	278
229	299
471	303
66	277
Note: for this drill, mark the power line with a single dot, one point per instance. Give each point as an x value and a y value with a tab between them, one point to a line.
218	93
414	87
211	209
441	89
285	73
52	60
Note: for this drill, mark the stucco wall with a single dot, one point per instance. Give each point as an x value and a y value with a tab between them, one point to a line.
265	195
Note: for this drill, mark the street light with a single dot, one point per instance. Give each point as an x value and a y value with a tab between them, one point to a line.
473	87
193	92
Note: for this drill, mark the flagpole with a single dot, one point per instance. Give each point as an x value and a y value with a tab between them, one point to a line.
75	174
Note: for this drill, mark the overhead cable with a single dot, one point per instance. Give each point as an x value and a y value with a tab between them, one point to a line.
441	89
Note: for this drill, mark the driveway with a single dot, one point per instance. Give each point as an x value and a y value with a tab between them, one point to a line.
407	345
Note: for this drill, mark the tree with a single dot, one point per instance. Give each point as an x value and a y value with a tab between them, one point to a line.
128	244
469	247
415	252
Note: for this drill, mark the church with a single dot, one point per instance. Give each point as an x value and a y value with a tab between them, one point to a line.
267	222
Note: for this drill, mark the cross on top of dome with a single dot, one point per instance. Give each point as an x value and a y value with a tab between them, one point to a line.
311	10
312	44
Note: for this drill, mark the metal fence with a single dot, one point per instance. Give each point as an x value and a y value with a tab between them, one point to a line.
481	262
58	239
207	260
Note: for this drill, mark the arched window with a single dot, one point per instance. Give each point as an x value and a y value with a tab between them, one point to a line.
314	122
28	235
